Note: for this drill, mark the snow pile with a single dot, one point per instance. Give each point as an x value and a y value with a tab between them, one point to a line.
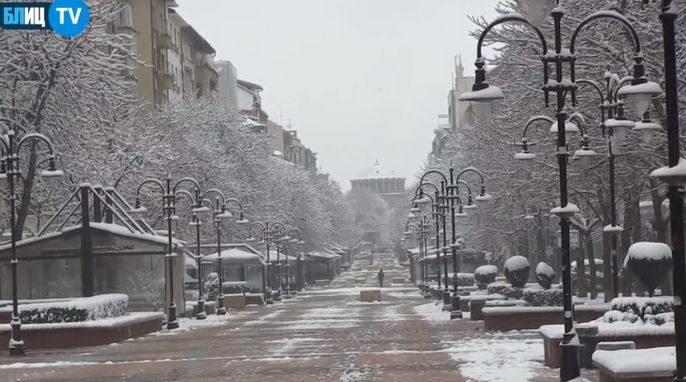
645	250
432	312
74	310
499	357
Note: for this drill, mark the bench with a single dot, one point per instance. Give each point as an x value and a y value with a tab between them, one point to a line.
371	295
591	334
254	299
235	301
476	306
636	365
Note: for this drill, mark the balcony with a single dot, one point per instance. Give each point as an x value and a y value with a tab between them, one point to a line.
164	41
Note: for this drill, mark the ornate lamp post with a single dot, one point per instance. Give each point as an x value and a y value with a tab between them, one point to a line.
221	214
9	171
197	207
278	233
639	97
296	237
169	193
436	214
534	12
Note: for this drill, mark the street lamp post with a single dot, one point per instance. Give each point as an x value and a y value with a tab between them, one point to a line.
297	239
197	208
421	198
672	174
278	231
220	213
9	170
561	86
169	206
266	238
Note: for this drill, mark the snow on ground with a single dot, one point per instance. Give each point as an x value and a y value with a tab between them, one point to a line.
501	357
432	312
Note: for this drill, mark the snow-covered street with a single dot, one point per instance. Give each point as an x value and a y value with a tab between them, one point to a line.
321	335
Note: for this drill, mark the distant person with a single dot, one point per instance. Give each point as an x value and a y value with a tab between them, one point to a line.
380	278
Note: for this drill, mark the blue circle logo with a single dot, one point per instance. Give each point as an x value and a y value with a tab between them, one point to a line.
68	18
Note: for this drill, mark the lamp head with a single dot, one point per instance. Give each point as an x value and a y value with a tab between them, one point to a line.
646	129
52	175
641	91
481	90
138	209
242	220
619	127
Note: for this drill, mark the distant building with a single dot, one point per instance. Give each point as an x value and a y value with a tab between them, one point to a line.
228	83
378	181
463	114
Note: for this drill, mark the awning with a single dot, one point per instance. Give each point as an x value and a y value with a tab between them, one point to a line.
235	256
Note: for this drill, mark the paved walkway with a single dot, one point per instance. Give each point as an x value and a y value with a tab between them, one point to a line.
322	335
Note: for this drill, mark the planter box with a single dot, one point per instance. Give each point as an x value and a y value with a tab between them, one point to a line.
552	336
476	306
465	300
370	295
88	333
235	301
519	318
254	299
398	280
642	365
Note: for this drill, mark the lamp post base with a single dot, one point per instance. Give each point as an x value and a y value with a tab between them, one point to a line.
171	322
447	305
16	347
455	311
569	358
221	309
201	315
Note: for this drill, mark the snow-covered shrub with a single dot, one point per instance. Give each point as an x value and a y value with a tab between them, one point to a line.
485	275
545	275
543	297
510	292
654	310
649	262
211	286
517	271
463	279
466	279
76	310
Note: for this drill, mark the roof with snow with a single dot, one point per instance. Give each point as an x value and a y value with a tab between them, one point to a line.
235	256
377	171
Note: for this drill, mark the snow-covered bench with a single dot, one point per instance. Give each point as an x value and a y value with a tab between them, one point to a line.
636	365
647	336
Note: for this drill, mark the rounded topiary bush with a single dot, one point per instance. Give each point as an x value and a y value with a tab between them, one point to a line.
517	271
485	275
649	262
545	275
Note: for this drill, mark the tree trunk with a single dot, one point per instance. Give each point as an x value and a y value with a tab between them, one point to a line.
592	283
581	289
607	268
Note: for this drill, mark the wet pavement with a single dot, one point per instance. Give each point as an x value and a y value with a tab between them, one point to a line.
321	335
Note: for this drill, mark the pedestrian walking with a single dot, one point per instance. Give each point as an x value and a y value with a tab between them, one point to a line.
380	278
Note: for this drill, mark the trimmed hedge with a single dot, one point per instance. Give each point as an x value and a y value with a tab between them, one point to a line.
543	297
76	310
510	292
653	310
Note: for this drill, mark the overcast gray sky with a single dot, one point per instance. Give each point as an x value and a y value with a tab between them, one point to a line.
359	79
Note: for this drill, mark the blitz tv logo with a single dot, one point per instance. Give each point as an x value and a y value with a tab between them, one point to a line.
68	18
